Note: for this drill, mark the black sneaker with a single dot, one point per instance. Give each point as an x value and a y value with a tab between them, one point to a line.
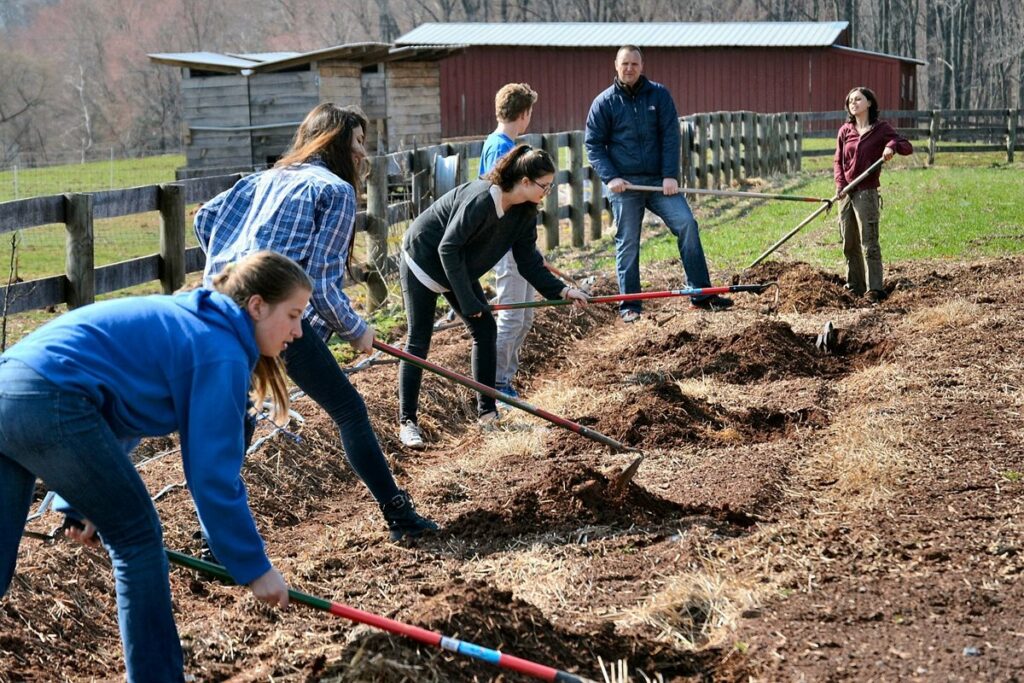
403	520
711	303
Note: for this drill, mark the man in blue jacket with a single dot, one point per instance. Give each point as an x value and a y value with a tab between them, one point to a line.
632	138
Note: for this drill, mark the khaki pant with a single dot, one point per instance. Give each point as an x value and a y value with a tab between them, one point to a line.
858	221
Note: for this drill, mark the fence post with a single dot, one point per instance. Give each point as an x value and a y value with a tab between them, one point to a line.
791	151
749	144
702	150
799	122
762	144
463	151
80	264
550	145
716	150
422	166
779	139
684	160
779	142
596	205
736	131
933	136
377	231
171	200
576	183
689	126
1011	133
726	122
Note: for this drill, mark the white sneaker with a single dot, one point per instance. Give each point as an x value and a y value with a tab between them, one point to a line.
411	436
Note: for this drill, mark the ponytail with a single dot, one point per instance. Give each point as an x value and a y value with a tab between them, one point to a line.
274	278
522	162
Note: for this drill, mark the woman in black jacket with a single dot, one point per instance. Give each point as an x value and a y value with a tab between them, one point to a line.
446	250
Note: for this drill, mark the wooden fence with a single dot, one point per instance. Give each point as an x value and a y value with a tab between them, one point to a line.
716	150
990	130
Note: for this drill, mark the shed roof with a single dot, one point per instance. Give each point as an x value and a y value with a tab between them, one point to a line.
210	61
591	34
362	53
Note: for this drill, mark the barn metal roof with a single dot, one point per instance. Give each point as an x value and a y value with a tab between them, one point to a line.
362	53
676	34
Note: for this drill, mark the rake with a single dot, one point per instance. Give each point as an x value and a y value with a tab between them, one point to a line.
821	209
732	193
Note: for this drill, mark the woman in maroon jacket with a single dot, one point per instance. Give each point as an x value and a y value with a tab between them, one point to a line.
861	141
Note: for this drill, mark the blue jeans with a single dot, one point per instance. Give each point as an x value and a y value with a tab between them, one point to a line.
420	306
514	324
61	437
628	210
314	370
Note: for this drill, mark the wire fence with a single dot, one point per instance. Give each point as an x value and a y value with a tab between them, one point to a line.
34	175
40	251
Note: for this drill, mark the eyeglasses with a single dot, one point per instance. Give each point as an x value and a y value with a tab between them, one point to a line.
545	187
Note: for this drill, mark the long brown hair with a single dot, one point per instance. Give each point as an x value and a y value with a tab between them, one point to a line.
274	278
522	162
326	134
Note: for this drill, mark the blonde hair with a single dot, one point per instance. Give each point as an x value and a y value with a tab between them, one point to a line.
274	278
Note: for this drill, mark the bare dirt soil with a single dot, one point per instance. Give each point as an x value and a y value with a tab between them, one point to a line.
800	515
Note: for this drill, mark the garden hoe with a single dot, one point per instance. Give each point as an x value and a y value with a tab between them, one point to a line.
421	635
619	481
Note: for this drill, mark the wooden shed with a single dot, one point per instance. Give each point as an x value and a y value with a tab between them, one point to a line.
240	111
765	67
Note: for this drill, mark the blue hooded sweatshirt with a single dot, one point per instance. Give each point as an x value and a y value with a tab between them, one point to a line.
158	364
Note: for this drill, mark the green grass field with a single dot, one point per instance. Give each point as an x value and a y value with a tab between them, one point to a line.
956	211
90	176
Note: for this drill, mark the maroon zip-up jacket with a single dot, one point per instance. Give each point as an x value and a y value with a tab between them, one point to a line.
854	154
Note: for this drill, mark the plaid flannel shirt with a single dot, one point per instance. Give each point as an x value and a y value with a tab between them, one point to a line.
304	212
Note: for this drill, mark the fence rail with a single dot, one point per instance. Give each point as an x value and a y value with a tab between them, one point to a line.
999	130
716	150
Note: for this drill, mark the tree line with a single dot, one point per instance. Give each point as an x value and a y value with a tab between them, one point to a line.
74	75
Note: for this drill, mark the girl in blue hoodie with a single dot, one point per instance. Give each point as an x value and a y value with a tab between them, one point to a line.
78	393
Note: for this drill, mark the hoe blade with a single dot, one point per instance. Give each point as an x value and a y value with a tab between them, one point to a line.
622	480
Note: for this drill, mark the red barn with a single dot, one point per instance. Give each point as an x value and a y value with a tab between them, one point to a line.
759	66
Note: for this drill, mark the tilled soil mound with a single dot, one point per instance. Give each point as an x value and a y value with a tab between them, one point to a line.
766	351
802	288
477	613
560	499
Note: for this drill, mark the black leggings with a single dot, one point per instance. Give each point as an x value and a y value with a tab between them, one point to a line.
312	367
420	307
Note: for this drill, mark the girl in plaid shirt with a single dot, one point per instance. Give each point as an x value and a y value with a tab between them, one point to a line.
305	208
